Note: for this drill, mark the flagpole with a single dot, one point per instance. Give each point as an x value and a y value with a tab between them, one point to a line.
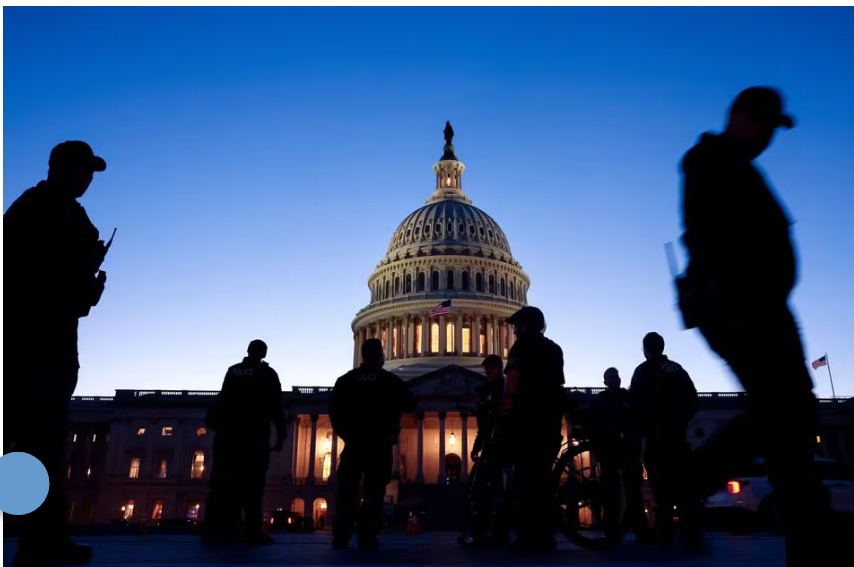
830	374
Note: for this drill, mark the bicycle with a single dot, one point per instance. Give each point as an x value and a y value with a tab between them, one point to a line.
581	492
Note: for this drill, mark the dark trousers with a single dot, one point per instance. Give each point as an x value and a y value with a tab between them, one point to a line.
373	461
237	485
487	506
621	471
40	369
534	486
763	348
667	459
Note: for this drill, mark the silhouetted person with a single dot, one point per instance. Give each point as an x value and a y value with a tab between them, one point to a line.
488	522
665	400
51	254
534	399
365	408
616	446
250	400
741	271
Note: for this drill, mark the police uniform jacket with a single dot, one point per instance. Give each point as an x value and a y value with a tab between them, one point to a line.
664	398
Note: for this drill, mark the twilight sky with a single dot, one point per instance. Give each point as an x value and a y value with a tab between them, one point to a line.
259	160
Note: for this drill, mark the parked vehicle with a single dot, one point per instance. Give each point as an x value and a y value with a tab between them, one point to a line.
748	502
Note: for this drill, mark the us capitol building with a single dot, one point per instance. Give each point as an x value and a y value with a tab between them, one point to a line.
439	300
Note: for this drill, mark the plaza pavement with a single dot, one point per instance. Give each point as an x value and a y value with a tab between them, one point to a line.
426	549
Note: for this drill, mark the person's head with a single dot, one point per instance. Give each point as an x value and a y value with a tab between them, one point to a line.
653	346
372	353
754	117
612	378
257	349
493	367
527	321
71	167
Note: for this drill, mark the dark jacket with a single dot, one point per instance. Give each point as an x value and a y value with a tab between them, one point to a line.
51	253
664	399
539	399
736	232
609	418
366	405
489	399
249	401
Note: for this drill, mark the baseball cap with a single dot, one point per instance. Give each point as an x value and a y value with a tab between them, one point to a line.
75	152
763	104
492	360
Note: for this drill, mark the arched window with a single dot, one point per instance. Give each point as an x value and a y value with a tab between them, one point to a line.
513	291
491	284
397	285
387	289
502	288
421	279
478	282
466	338
298	506
434	338
465	282
450	279
434	281
449	337
407	284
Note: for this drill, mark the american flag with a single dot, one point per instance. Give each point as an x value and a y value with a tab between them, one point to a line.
442	309
816	364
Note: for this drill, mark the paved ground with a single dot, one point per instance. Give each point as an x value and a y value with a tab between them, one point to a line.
425	549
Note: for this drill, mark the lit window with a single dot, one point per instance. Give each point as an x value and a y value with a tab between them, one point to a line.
418	337
193	510
140	432
327	466
134	468
127	510
818	439
449	337
157	512
166	431
466	338
161	471
201	432
198	465
434	338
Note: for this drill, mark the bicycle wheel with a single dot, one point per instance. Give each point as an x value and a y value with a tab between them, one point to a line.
581	498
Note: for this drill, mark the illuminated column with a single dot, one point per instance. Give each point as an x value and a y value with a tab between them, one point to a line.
441	479
443	335
475	330
294	447
312	450
425	334
458	335
419	475
464	474
401	338
496	334
490	342
410	337
333	458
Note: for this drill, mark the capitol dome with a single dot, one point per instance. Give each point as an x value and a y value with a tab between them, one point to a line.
447	283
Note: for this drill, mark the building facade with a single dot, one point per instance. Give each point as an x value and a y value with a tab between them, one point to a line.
439	300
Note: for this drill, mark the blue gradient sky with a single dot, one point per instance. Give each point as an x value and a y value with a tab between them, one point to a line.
260	160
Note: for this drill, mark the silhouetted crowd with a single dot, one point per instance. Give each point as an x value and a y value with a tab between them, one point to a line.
735	291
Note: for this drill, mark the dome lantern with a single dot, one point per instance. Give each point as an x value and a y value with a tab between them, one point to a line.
449	173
